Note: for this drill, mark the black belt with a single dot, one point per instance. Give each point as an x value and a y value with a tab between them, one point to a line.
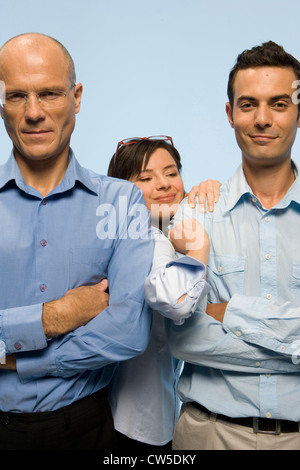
262	425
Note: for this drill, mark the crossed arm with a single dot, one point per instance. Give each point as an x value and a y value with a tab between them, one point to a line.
76	308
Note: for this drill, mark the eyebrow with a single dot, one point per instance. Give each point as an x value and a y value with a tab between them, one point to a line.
283	96
46	88
165	168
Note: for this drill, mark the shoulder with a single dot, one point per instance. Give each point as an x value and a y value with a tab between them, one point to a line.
111	188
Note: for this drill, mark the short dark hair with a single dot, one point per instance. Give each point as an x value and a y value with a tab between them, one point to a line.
133	158
269	54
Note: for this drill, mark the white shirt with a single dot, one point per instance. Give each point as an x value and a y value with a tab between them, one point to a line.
143	397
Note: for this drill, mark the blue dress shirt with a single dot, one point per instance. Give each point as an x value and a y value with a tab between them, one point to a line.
249	364
87	228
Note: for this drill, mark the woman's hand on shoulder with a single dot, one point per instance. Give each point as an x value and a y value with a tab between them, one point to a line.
208	194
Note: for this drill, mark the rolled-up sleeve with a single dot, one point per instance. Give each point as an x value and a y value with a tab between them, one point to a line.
176	283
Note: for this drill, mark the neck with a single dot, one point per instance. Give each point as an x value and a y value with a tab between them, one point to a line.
269	183
43	175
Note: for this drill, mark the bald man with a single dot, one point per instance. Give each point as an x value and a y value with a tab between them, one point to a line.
57	261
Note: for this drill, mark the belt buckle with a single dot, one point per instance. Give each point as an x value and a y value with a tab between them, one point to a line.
256	428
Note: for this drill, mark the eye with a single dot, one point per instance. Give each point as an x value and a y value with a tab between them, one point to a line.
145	179
246	106
280	105
15	97
50	95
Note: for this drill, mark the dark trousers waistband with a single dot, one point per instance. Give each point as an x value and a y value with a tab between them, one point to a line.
262	425
87	403
83	425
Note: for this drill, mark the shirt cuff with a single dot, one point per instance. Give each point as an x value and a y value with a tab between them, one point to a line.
21	329
34	365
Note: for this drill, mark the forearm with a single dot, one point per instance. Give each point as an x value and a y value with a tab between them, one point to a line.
120	333
175	289
9	363
270	325
202	340
74	309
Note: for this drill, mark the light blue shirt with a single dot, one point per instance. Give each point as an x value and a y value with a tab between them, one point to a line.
143	397
87	228
249	364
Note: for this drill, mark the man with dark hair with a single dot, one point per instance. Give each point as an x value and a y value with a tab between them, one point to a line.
63	334
241	385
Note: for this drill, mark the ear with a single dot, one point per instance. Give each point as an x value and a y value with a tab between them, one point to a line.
77	94
229	114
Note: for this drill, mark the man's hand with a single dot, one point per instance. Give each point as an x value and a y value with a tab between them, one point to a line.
76	308
10	363
217	311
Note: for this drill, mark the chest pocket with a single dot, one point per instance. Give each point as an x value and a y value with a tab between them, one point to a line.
88	265
295	282
225	274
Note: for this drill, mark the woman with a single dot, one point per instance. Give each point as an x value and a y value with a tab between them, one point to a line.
143	398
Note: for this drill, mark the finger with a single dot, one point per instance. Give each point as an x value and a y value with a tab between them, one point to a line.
216	188
103	285
205	193
192	196
208	192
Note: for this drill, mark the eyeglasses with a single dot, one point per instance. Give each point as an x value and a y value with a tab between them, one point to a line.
135	140
49	98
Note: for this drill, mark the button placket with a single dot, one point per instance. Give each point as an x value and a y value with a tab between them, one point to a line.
41	257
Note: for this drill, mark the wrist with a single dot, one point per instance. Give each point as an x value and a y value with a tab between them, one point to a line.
50	319
199	255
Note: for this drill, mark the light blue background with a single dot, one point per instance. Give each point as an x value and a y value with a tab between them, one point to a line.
155	67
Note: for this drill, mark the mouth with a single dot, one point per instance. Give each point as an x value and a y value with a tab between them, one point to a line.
262	138
166	198
39	133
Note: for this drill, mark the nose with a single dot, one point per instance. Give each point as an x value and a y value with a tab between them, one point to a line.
263	116
34	111
162	182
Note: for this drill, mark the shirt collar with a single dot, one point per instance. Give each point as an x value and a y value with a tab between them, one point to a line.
75	172
238	188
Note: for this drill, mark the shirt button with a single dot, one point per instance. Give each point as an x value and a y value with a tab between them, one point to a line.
268	256
43	288
268	414
268	375
269	296
257	364
17	346
238	333
220	269
43	242
44	202
267	219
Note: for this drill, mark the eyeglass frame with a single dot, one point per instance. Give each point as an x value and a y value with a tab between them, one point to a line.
26	95
135	140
